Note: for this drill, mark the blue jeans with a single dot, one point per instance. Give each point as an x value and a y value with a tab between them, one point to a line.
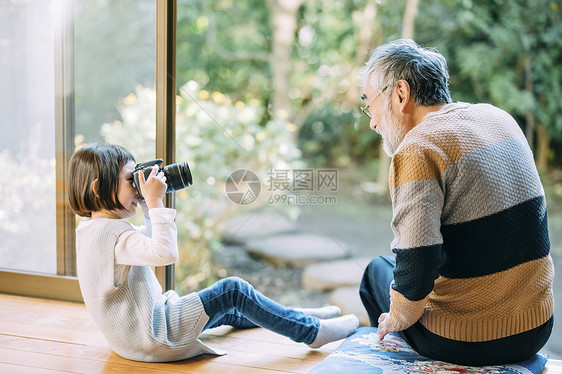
375	294
234	302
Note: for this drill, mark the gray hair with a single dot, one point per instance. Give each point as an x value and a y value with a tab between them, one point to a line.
424	69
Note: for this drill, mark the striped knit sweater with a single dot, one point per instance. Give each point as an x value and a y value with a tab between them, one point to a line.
139	322
470	228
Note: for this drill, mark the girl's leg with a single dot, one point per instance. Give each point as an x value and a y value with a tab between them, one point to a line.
234	300
234	319
237	320
235	296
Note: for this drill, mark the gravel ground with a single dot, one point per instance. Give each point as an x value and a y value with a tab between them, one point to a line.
282	284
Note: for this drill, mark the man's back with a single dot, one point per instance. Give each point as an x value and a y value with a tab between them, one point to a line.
466	191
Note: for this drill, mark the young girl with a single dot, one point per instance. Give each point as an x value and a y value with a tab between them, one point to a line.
121	291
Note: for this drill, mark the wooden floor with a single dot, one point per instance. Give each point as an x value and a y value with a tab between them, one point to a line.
44	336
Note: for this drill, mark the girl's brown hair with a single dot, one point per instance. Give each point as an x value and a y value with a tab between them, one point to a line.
97	161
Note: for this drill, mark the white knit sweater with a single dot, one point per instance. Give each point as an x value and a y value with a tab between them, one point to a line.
139	322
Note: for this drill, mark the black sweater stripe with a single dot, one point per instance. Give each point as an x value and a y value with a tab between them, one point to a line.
471	249
415	285
497	242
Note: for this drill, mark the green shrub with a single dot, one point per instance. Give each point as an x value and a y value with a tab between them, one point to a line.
334	137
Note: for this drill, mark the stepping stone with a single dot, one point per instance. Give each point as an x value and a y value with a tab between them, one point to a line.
297	250
244	227
348	300
334	274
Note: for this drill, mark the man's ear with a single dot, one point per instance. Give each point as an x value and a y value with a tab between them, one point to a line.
95	184
403	92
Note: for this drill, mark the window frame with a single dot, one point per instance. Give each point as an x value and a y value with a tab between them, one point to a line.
64	284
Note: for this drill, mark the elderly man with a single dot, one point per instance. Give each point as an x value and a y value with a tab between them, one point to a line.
471	279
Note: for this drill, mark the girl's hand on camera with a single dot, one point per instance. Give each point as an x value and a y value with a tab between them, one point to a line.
153	188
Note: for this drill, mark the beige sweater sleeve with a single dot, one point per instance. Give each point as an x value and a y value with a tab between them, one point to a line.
403	312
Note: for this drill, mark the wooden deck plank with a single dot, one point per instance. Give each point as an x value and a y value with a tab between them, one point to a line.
272	361
48	333
70	323
21	369
45	337
83	361
62	308
68	330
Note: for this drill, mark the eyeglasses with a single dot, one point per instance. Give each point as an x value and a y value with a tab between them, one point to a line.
365	109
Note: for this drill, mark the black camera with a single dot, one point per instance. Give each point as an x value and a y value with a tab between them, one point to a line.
177	175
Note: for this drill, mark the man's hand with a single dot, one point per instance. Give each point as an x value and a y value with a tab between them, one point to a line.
154	188
385	326
384	321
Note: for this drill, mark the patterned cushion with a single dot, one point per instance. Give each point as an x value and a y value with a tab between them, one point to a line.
362	352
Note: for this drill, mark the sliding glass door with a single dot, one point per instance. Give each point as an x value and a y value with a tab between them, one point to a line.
71	73
27	140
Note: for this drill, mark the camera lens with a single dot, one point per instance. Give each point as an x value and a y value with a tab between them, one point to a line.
178	176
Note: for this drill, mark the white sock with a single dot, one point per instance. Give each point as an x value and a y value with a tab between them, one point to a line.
335	329
324	312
